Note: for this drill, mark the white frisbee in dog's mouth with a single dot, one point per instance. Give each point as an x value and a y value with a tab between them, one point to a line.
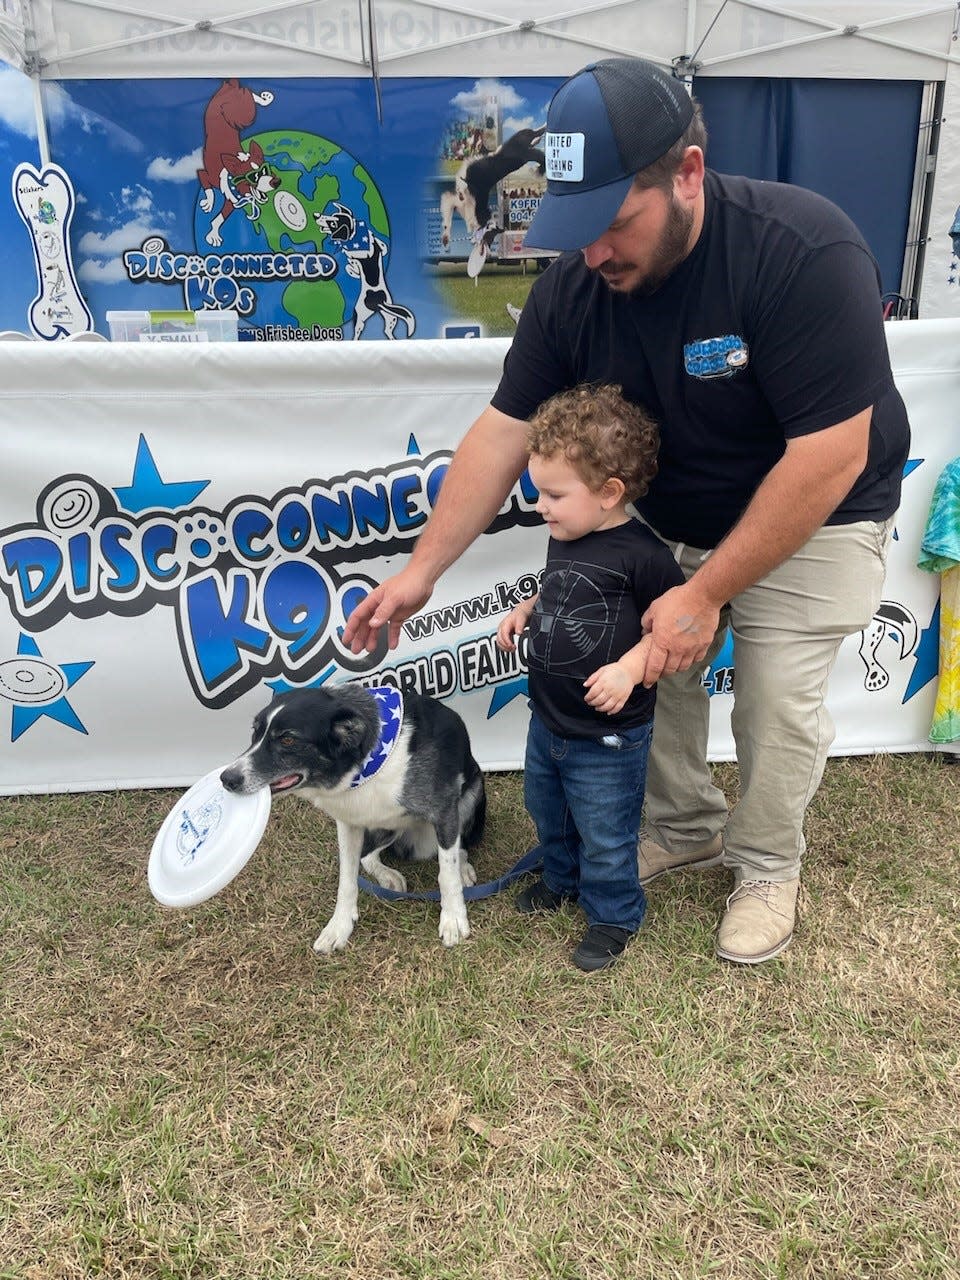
206	839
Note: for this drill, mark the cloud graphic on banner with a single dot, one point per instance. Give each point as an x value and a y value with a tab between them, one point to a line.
149	492
37	688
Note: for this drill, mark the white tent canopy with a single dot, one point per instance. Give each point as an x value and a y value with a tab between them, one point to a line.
879	39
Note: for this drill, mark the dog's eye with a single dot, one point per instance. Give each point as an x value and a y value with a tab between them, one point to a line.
287	740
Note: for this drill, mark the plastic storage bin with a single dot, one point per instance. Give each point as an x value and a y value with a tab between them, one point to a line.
172	326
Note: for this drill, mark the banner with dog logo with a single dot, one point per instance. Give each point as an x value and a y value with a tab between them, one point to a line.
294	204
184	532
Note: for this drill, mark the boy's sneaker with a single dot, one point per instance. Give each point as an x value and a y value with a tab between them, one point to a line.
655	861
539	897
600	947
759	920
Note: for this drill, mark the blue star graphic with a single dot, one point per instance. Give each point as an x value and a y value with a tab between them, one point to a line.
926	657
412	446
149	492
504	694
284	686
24	714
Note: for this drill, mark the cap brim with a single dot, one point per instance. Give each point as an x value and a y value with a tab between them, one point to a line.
573	219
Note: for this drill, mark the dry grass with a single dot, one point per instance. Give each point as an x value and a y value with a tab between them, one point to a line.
196	1094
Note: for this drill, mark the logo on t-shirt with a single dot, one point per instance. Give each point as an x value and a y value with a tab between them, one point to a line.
716	357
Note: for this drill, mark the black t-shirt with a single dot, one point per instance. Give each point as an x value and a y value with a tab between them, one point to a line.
593	593
770	328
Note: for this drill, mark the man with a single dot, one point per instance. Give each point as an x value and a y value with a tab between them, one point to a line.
746	317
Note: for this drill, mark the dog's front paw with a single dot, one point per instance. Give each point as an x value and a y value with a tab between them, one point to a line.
206	201
454	927
468	875
334	937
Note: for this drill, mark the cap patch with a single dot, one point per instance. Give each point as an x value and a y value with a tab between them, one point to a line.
564	157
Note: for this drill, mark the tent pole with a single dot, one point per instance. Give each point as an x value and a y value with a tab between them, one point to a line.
33	66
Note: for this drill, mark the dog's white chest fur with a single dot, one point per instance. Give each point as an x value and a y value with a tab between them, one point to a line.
376	803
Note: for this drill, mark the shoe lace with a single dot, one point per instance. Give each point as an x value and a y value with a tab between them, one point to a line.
765	890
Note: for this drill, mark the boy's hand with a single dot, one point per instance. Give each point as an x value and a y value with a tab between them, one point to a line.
512	625
608	688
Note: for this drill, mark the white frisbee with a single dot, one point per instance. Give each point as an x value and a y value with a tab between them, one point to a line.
207	838
290	211
478	256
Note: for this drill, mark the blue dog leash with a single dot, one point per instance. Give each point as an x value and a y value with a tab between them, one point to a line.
531	861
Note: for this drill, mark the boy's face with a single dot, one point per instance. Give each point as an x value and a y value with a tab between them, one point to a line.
569	507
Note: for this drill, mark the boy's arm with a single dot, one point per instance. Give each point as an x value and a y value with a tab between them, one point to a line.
515	621
610	686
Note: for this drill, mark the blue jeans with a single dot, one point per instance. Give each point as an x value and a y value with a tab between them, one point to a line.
586	798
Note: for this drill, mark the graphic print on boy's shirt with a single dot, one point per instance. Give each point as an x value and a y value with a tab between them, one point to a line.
574	623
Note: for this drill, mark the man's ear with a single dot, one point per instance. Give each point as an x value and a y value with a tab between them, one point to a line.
688	179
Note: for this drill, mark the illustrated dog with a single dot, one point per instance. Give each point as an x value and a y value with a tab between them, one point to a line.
395	771
476	179
367	264
236	169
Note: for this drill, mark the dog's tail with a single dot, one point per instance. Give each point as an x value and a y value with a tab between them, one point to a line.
473	809
401	313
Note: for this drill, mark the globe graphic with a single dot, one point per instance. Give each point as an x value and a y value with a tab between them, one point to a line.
315	174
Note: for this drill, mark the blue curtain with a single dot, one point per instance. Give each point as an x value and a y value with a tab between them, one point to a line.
854	141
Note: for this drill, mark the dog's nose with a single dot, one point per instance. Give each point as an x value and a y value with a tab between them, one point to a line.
231	779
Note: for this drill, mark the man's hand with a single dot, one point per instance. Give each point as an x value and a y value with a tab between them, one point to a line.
682	623
388	605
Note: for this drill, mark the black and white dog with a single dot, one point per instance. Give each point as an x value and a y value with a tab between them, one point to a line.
364	259
394	770
477	177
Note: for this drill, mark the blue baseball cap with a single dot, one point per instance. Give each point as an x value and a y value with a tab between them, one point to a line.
604	124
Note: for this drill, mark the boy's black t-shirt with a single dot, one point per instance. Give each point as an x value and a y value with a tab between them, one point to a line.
593	594
771	328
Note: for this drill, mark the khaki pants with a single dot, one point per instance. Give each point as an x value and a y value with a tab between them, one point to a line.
787	629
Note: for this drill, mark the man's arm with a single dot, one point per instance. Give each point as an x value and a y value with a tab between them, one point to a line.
809	482
487	464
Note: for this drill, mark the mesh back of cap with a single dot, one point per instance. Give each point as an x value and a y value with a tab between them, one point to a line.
648	110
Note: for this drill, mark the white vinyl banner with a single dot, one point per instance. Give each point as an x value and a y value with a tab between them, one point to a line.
183	530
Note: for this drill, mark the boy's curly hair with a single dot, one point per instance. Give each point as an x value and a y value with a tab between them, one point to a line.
600	433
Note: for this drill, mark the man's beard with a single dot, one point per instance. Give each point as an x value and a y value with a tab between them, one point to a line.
672	248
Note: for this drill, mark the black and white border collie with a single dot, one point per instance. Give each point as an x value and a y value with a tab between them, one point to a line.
394	770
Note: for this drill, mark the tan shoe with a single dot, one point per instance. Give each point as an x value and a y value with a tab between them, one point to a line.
655	861
758	923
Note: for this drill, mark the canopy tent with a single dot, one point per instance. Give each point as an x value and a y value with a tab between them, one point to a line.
877	39
848	40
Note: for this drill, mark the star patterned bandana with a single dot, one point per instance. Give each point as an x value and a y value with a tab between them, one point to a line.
390	706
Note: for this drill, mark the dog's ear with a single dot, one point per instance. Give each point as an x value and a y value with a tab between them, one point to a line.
348	729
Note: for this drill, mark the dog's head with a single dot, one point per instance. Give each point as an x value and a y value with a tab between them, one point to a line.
339	225
307	738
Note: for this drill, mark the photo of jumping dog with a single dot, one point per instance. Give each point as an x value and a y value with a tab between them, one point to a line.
236	169
475	181
394	770
365	263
